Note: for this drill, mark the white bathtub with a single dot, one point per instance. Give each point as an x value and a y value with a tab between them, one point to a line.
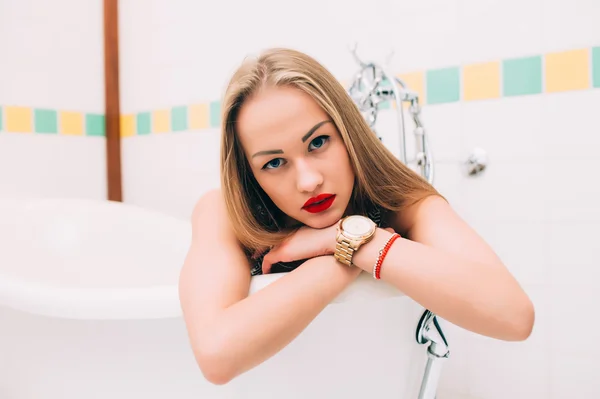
89	309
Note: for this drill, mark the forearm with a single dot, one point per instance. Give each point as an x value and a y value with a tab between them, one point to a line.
481	298
254	329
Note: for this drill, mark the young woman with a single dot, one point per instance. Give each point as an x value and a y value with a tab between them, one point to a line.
308	189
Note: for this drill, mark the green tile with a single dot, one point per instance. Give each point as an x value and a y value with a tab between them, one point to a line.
215	114
384	105
385	83
596	66
95	125
443	85
143	123
45	121
179	119
522	76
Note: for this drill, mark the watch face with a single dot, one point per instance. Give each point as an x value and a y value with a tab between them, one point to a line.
357	225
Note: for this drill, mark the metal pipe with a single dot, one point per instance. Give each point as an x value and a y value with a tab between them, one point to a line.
430	332
431	377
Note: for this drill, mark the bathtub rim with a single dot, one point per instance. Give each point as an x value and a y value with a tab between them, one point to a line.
155	302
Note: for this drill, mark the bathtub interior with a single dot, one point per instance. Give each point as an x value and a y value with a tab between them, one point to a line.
90	244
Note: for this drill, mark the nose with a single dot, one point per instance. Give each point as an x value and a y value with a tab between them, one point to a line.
308	177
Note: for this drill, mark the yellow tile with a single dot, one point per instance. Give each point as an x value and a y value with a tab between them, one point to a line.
567	70
160	121
415	81
127	125
71	123
481	81
19	119
199	116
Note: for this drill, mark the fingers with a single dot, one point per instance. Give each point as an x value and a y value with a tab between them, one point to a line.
268	261
277	254
266	266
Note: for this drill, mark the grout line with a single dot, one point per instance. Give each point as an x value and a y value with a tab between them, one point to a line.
590	51
543	77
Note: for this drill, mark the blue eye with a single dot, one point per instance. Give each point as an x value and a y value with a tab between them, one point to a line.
273	163
318	142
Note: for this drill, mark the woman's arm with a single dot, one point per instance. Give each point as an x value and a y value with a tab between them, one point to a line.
446	267
231	332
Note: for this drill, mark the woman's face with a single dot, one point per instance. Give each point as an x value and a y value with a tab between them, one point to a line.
297	155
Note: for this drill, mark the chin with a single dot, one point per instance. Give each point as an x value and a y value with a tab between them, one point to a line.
317	224
323	220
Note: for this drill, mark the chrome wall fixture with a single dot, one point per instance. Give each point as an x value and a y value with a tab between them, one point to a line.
371	86
476	162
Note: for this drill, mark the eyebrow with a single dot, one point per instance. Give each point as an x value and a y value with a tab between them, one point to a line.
268	152
304	138
311	131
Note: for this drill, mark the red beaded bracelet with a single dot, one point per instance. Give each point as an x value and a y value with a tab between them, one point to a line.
382	253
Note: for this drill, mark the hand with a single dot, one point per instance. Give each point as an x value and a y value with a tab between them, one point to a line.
305	243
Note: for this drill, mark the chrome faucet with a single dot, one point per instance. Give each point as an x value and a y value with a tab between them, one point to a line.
372	85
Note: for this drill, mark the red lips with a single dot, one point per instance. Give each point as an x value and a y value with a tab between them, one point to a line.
319	203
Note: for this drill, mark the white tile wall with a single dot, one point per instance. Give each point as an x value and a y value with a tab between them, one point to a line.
50	166
449	180
507	192
572	254
570	124
569	24
574	375
573	370
496	29
427	33
454	381
538	203
52	56
148	165
571	190
445	127
509	129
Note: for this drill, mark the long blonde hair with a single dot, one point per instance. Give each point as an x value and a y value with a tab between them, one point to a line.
380	178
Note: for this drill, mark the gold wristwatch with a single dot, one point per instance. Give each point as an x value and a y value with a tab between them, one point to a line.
353	231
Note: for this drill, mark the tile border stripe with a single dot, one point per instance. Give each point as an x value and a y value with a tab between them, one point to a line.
553	72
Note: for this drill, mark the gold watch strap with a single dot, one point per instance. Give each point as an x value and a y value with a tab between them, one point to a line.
343	252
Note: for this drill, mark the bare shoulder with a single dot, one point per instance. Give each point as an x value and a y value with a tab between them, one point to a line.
421	219
216	272
209	218
410	216
432	206
209	205
434	222
211	226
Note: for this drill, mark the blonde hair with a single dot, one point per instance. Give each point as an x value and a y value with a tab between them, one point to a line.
380	178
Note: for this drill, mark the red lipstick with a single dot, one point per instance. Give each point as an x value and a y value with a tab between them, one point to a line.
319	203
